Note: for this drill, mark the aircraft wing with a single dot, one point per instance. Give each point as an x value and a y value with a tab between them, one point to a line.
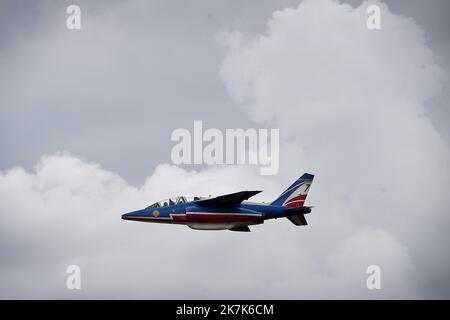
228	200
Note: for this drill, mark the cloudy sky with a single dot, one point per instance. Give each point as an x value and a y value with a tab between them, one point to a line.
85	124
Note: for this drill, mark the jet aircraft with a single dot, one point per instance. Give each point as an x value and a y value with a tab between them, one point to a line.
230	211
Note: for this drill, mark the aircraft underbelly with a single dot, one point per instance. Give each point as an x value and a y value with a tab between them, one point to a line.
222	217
217	225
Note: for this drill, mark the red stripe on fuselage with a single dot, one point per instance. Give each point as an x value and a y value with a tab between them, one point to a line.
201	217
179	217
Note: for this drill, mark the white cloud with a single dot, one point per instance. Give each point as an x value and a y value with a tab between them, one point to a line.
350	105
368	247
68	212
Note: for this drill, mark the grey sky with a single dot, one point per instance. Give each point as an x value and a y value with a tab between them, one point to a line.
113	92
167	57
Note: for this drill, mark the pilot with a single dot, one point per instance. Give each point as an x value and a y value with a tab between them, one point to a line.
171	203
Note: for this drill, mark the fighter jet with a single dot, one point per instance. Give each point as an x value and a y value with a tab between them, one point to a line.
230	211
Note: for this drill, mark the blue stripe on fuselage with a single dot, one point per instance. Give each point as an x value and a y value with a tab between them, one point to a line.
268	211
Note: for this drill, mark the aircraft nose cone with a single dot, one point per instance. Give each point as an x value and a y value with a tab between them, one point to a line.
126	216
131	215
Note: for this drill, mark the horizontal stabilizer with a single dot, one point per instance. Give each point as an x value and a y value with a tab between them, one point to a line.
298	220
228	200
241	229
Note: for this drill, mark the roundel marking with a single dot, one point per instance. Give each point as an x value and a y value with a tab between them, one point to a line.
155	213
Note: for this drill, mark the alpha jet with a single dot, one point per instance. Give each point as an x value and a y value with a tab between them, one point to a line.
230	211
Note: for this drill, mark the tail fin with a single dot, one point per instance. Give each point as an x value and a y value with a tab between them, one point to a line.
295	195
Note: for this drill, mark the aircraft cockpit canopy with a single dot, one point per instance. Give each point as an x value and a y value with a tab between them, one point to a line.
173	201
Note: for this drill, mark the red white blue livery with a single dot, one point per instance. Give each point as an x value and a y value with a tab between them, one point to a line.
231	211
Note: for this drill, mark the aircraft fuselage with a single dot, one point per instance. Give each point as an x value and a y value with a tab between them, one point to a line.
209	218
229	211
